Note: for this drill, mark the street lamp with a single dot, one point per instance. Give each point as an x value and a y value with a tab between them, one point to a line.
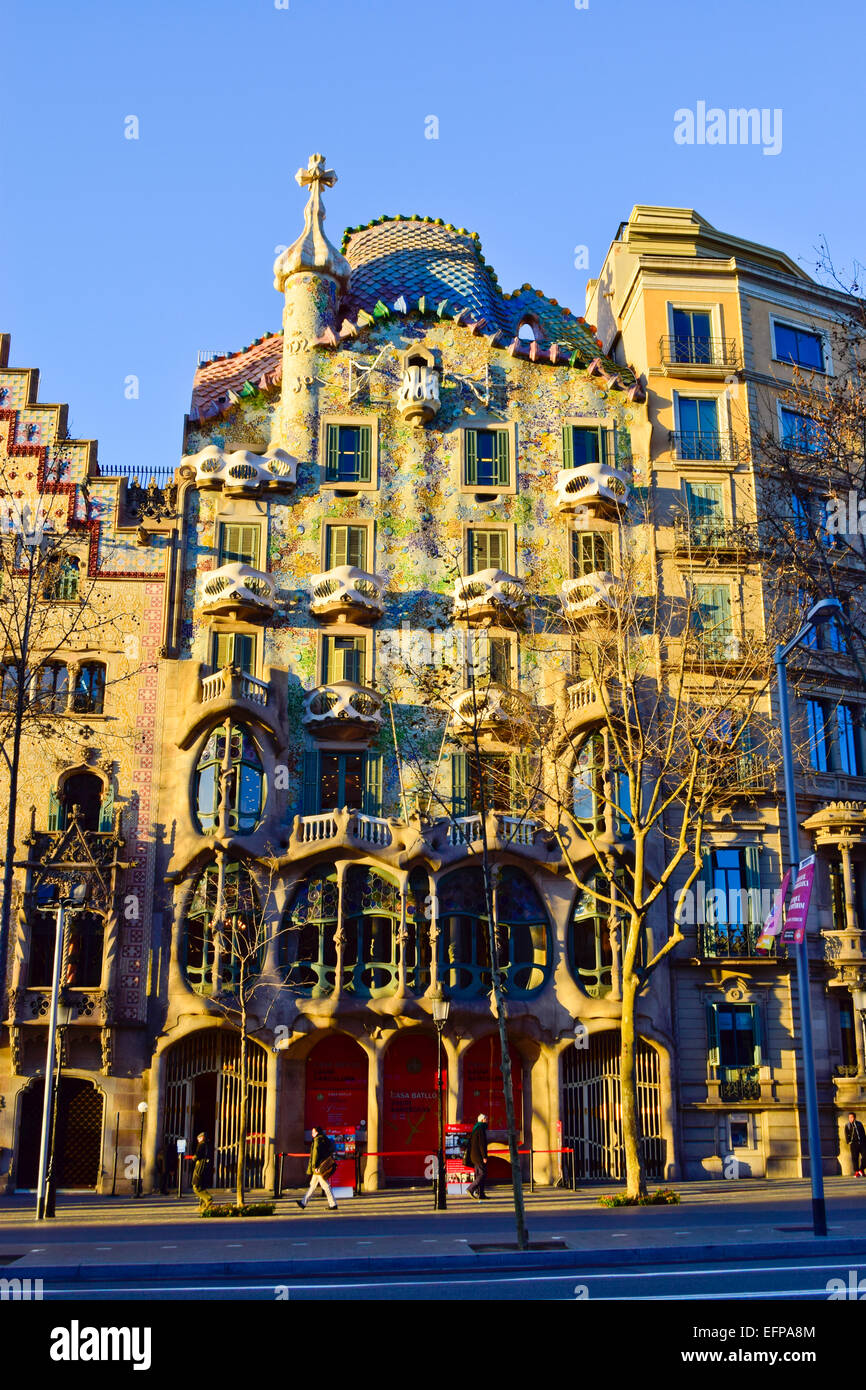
74	901
821	612
441	1006
142	1110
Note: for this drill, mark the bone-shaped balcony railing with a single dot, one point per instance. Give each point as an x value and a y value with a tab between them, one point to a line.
347	589
237	585
243	472
487	591
591	483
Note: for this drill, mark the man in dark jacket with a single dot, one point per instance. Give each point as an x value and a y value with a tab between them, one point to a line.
855	1138
199	1171
478	1158
321	1164
166	1165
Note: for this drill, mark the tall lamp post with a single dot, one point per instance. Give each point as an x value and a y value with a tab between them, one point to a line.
73	901
441	1005
821	612
142	1110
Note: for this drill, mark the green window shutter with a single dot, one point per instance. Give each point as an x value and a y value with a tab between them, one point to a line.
471	446
752	858
607	446
354	663
496	556
757	1033
364	449
311	783
502	458
337	547
244	655
106	811
356	547
567	446
332	453
329	659
459	784
712	1035
53	811
222	649
373	784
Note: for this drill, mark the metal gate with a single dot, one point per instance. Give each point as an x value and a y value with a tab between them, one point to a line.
207	1064
592	1109
77	1135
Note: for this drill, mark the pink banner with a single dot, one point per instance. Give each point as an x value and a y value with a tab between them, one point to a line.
773	924
795	917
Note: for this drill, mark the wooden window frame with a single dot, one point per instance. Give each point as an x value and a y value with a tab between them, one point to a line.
509	429
370	422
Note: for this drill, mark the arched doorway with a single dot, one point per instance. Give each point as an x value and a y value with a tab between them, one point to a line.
483	1093
410	1108
77	1138
202	1092
336	1085
592	1108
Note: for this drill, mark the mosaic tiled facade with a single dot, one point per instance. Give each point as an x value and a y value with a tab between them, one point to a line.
403	440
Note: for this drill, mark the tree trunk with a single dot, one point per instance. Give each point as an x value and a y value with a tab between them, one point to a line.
635	1174
242	1118
9	863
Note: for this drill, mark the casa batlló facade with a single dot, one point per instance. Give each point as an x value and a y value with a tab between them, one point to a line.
371	506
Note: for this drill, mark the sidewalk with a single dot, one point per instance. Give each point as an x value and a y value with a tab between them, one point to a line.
96	1238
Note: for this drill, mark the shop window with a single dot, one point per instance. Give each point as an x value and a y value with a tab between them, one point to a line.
230	765
223	948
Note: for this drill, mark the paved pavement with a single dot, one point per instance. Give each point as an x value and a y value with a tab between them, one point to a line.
395	1233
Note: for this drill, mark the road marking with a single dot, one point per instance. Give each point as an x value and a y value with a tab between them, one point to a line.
168	1247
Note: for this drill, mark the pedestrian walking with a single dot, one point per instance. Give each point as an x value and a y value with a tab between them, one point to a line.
200	1171
477	1152
855	1138
321	1166
166	1164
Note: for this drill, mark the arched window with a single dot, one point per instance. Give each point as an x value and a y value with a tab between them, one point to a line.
589	949
588	784
522	921
8	685
50	688
417	950
88	697
230	761
84	790
309	930
223	947
463	938
372	917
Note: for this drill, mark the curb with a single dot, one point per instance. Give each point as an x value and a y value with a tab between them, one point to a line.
571	1259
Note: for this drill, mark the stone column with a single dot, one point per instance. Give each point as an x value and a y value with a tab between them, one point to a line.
375	1054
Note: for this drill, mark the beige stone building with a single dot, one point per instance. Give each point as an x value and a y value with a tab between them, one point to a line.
375	504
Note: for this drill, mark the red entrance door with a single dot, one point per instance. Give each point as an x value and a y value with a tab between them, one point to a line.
409	1119
336	1091
483	1095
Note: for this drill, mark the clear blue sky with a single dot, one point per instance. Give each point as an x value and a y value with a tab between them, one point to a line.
123	257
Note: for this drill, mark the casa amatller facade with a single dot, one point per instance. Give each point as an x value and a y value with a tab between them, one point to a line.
373	492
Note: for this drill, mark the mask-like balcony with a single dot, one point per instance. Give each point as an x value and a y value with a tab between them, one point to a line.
596	486
347	594
418	397
239	591
494	709
243	473
343	709
590	597
489	595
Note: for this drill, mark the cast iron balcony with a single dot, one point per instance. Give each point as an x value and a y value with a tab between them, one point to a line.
489	595
598	486
693	534
713	447
347	594
238	590
720	353
590	596
342	709
739	1084
731	941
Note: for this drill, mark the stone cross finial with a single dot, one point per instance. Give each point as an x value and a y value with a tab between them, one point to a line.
312	250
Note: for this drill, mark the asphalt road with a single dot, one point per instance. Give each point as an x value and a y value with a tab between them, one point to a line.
746	1281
